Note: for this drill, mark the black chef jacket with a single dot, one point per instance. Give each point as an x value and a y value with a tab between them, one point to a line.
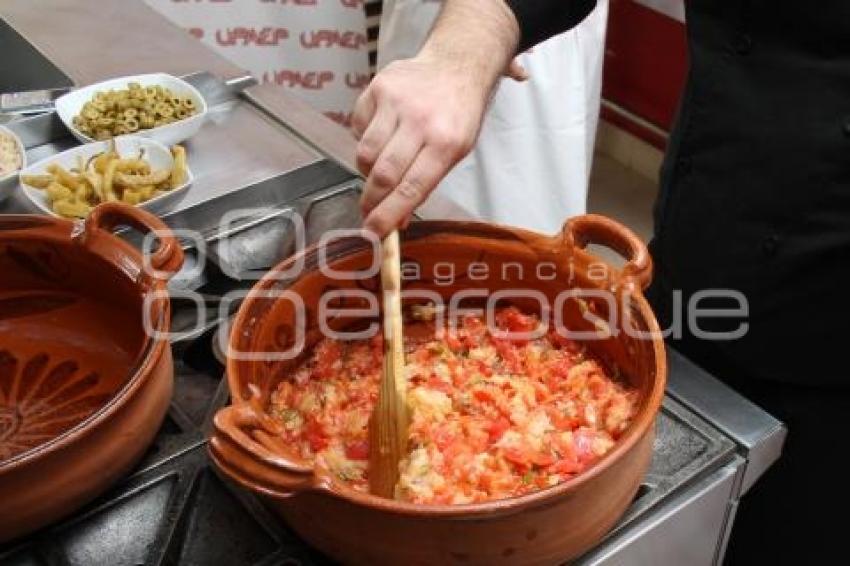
755	197
541	19
755	189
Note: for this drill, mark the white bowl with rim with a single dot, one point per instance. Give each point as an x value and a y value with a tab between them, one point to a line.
70	105
9	181
157	154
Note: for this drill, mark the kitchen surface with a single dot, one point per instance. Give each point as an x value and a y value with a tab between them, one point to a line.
261	155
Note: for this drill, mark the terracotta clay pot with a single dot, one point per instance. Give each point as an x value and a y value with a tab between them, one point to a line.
548	526
83	386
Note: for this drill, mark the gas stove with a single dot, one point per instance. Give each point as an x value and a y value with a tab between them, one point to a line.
175	509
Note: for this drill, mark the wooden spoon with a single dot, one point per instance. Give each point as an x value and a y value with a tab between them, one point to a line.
388	426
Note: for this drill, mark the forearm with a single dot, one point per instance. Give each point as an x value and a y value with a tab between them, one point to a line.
479	36
541	19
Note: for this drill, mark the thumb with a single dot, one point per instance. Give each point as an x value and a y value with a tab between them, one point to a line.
516	71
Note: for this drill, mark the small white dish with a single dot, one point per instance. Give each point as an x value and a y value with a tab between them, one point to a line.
158	155
10	180
70	105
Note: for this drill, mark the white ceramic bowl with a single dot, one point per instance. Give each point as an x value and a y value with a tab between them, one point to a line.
9	181
158	155
70	105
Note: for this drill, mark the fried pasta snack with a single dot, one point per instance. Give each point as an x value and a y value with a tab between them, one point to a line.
106	177
125	111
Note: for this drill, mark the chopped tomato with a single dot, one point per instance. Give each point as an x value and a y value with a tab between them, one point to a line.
468	340
515	321
453	342
565	466
561	341
443	436
316	436
438	384
456	370
483	368
483	395
597	386
327	359
541	392
560	420
452	452
542	460
560	370
490	418
497	428
357	450
509	354
519	456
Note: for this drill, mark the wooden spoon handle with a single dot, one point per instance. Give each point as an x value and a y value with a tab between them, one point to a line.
393	333
388	430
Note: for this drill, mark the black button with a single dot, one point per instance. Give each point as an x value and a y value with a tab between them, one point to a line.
846	127
742	44
769	245
684	166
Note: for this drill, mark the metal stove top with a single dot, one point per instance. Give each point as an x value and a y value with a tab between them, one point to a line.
174	509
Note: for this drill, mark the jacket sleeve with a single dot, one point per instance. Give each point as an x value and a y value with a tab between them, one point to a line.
541	19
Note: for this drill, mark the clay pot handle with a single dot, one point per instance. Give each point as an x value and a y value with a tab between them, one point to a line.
250	463
108	216
595	229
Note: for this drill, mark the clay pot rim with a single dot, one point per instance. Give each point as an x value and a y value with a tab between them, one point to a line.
324	483
151	351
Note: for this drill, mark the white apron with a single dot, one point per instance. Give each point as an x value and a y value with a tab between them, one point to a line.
531	165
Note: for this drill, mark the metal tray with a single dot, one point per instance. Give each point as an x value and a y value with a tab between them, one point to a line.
243	157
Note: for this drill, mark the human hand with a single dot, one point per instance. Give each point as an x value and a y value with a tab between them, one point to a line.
415	121
516	71
420	116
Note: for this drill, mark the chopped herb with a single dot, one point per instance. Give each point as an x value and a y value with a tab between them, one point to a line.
290	416
347	475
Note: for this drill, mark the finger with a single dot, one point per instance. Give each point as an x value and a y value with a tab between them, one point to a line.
376	136
390	167
423	175
406	222
364	110
516	71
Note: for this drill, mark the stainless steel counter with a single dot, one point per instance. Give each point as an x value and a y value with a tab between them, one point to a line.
268	152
